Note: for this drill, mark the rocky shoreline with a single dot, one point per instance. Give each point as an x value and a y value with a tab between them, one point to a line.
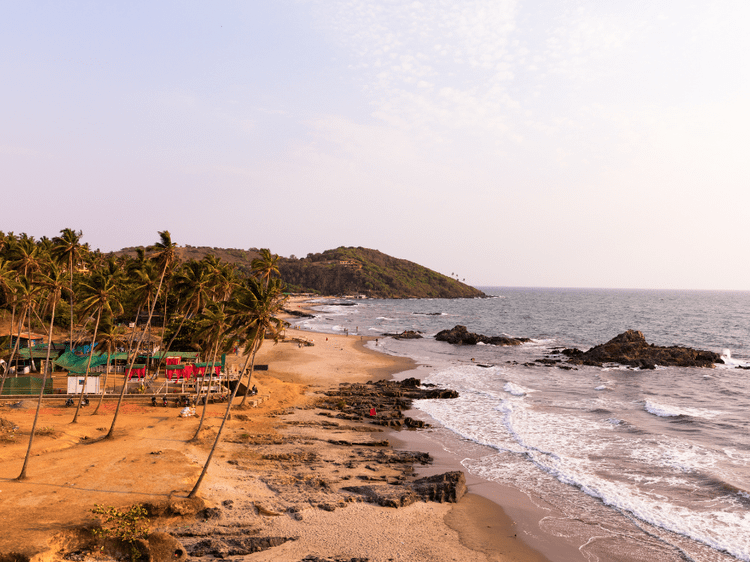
364	469
323	457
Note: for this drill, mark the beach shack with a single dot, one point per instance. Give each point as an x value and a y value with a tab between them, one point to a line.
28	344
75	384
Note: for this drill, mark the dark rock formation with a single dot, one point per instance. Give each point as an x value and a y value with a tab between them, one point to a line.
297	313
239	545
385	495
448	487
406	335
631	348
461	336
387	399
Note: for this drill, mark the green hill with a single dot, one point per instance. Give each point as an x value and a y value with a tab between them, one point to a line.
361	271
345	271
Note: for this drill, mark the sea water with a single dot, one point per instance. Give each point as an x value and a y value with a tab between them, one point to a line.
638	464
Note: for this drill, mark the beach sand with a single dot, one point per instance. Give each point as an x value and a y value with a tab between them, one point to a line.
277	473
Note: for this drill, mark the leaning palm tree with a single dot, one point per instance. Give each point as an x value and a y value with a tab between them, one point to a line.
110	337
193	285
99	296
211	332
53	281
253	317
68	247
253	314
25	294
8	279
166	253
143	287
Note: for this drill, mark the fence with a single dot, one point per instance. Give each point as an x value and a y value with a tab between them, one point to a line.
26	385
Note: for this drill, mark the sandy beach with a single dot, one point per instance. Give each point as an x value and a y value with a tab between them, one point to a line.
279	475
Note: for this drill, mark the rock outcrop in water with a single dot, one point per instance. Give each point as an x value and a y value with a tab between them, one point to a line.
461	336
631	348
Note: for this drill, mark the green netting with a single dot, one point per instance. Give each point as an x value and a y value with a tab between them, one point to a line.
26	385
36	353
182	354
77	363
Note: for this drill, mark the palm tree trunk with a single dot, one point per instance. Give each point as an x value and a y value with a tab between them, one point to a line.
12	353
216	442
12	323
28	346
110	433
256	347
22	475
70	272
88	366
163	331
104	387
169	346
208	393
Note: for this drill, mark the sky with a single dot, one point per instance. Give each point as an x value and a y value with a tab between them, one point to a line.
565	143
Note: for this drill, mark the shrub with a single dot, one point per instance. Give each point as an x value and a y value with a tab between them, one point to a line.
128	525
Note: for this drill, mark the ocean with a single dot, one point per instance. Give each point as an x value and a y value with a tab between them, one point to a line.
631	464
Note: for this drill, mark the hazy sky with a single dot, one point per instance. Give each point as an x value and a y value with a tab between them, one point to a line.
534	143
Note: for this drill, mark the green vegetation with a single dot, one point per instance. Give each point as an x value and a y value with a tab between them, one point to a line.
343	271
222	307
127	526
361	271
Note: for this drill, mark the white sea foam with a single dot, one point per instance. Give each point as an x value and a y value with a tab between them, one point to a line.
516	389
731	362
587	454
601	387
670	410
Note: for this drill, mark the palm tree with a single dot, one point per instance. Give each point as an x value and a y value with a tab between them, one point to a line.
143	290
110	336
265	265
25	254
53	281
25	298
211	331
253	314
68	247
5	241
100	295
193	286
165	255
8	277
